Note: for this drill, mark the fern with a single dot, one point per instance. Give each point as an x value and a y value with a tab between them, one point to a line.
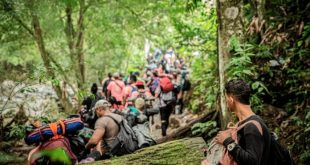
208	128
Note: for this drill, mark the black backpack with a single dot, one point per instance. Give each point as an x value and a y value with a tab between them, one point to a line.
279	154
125	142
187	85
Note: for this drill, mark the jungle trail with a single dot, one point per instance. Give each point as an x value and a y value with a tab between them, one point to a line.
117	118
241	61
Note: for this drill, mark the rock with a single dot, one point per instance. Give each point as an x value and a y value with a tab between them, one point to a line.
183	151
157	126
36	100
174	123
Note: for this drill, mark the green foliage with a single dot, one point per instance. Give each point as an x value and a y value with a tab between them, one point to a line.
58	155
83	94
208	128
274	59
196	43
305	156
17	132
241	66
307	121
11	158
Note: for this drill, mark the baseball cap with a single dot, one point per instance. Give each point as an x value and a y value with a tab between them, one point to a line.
139	103
116	75
139	83
102	103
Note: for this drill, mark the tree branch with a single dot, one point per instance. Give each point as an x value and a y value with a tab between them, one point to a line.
10	10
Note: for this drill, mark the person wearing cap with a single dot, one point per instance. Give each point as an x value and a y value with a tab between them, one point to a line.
140	90
106	129
115	91
129	89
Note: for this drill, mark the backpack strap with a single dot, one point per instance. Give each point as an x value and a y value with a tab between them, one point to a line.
118	85
54	126
256	123
113	120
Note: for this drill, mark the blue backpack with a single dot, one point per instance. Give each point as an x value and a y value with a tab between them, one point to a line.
154	84
133	89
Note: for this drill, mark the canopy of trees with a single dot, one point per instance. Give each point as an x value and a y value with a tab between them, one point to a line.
80	41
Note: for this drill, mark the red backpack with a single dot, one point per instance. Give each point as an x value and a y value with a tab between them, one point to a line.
166	84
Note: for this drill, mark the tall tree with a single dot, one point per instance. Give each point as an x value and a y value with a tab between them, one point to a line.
46	57
229	23
75	40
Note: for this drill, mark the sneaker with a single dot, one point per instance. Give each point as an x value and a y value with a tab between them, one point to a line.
87	160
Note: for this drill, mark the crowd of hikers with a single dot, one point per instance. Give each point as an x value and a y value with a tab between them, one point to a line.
115	119
116	116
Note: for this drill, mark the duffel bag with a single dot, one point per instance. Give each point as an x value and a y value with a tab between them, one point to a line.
52	130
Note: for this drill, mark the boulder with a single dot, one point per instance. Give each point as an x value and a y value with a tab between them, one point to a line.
182	151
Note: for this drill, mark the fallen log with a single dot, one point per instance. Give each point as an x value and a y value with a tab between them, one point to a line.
22	149
180	132
182	151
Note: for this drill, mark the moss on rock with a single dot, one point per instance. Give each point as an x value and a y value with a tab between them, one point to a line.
183	151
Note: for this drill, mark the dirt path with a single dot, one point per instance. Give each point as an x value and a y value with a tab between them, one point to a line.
176	121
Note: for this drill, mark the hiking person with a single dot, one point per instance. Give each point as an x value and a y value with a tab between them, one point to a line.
185	86
89	100
115	89
167	98
129	89
89	116
177	85
154	82
141	125
157	54
253	146
105	84
141	91
106	129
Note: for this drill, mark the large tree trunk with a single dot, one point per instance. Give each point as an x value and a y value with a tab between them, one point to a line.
79	45
75	41
229	24
46	59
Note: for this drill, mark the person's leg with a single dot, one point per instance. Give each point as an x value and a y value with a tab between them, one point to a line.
181	103
169	109
163	117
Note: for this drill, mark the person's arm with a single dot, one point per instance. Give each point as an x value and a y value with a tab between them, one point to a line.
253	151
96	137
149	82
157	91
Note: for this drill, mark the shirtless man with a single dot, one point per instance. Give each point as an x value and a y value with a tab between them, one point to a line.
106	129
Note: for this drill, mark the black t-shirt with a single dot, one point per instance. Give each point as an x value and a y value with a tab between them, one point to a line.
253	148
105	86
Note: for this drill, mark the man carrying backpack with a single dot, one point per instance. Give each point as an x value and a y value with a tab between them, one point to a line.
141	91
255	143
253	146
129	89
105	141
115	91
167	99
154	82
